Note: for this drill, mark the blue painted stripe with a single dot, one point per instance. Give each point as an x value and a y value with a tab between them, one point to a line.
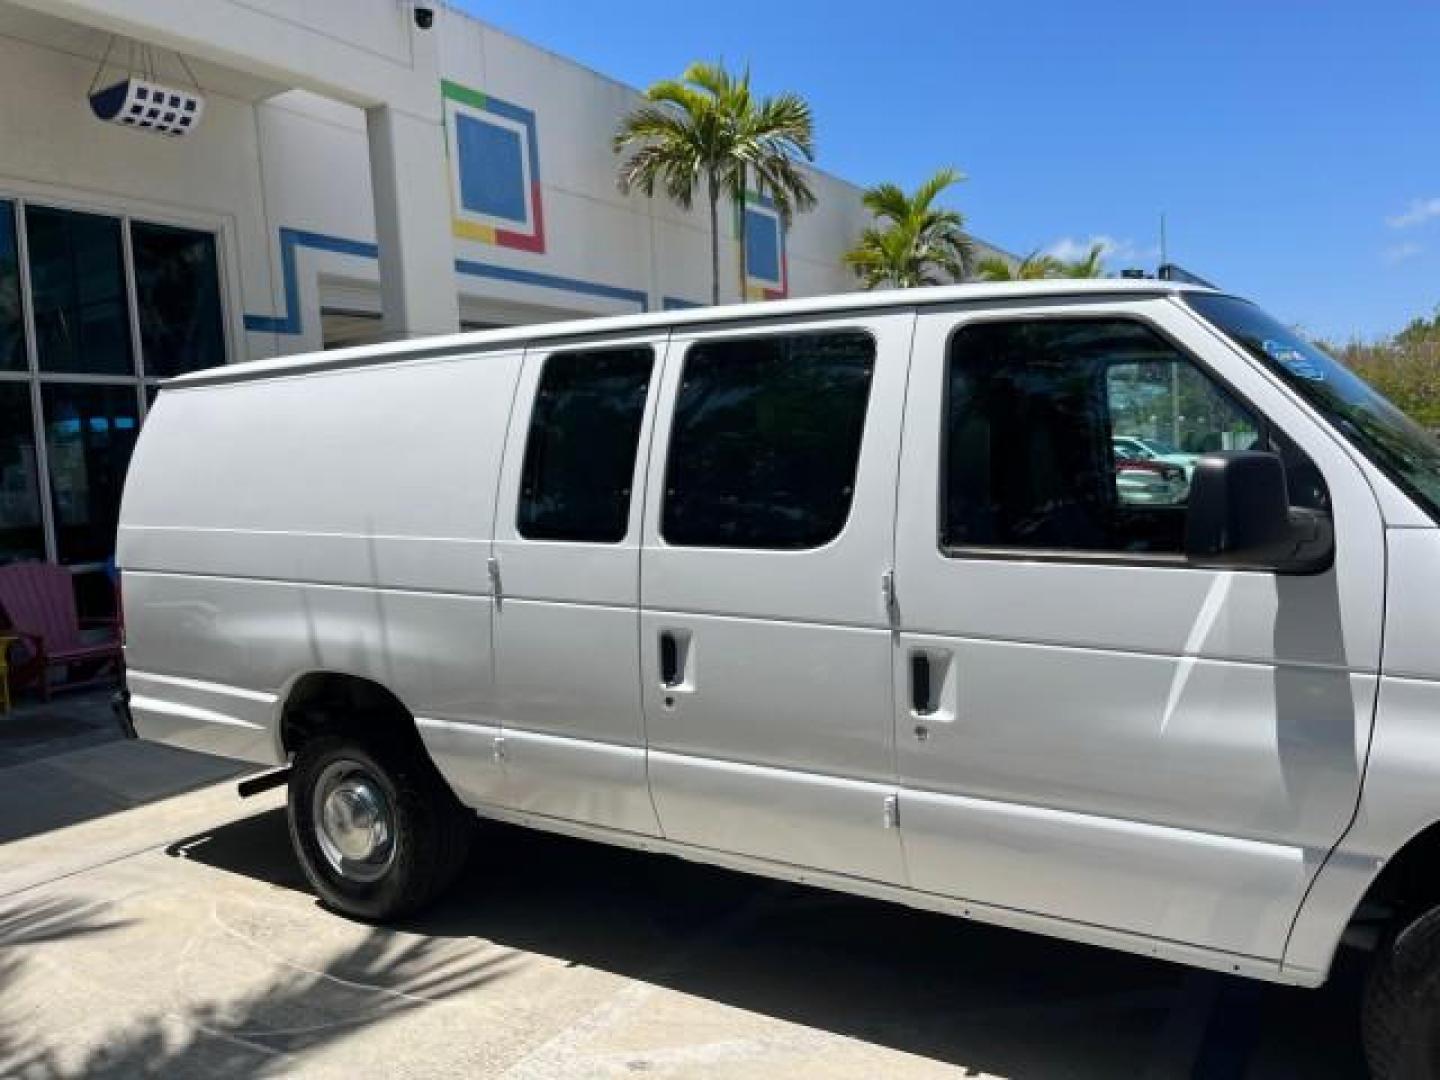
551	281
291	239
678	303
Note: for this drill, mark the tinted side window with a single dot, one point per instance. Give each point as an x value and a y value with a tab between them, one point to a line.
1077	435
580	453
766	440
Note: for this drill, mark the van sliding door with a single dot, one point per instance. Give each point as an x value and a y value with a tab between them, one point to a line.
765	646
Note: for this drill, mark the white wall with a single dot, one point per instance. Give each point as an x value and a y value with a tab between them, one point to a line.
595	238
54	151
297	165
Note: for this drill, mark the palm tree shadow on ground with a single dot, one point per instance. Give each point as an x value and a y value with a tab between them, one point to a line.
34	922
924	984
384	976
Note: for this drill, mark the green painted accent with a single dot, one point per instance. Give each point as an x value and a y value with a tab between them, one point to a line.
462	94
752	198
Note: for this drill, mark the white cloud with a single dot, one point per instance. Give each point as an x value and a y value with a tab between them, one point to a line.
1400	252
1417	213
1121	252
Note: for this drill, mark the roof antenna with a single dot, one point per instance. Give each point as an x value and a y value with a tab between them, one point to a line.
1164	254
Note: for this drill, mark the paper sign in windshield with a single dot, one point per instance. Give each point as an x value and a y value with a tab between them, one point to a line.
1293	360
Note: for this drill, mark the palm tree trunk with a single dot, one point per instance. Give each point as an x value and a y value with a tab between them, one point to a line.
744	263
714	241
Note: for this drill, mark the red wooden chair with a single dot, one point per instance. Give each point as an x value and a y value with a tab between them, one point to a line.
38	602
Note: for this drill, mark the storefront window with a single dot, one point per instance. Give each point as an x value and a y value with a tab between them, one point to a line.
12	320
77	277
22	535
177	294
90	431
74	421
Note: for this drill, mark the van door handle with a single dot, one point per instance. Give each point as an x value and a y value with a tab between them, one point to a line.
669	659
922	701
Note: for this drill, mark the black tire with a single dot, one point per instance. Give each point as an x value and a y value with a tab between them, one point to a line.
1401	1013
430	831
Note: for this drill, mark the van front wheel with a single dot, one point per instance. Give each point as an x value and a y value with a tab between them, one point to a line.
376	830
1402	1004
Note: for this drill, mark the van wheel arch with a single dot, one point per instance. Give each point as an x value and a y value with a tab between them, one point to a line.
338	703
1400	1009
1409	882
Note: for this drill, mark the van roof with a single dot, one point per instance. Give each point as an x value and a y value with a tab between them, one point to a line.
519	336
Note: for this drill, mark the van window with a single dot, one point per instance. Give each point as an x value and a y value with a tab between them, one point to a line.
580	453
1078	435
1401	448
766	440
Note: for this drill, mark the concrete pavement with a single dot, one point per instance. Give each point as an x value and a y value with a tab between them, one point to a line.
177	939
64	761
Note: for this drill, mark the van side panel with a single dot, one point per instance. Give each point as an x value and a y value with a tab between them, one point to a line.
339	521
1398	800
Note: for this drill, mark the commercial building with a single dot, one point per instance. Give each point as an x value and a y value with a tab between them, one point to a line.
336	172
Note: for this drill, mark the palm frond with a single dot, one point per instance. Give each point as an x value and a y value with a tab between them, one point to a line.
913	242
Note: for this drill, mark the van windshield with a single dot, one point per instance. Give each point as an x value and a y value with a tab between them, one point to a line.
1399	447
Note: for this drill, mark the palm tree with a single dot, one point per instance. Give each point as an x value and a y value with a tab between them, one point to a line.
708	127
1037	265
914	241
1089	265
1032	267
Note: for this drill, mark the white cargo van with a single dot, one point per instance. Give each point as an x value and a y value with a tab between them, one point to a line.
842	591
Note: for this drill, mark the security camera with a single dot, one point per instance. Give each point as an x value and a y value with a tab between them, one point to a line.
424	16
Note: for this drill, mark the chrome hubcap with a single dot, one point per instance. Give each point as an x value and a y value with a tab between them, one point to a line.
353	822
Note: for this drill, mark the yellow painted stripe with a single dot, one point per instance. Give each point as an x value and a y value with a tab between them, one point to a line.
468	230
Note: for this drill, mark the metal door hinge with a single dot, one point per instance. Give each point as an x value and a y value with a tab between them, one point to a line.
888	594
492	566
499	749
892	811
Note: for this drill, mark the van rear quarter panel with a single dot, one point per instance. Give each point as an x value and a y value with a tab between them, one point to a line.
335	521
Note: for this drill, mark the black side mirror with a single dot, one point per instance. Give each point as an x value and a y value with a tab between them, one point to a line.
1240	518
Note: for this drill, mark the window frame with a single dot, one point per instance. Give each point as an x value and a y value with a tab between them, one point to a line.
752	333
637	477
992	553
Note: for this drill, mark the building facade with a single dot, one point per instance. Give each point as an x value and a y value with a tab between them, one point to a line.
351	175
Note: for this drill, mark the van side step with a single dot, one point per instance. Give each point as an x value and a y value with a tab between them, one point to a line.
254	785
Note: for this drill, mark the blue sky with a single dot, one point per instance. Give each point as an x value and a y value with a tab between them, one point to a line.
1294	147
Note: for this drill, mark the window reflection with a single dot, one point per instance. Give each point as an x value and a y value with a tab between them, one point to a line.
82	307
77	278
89	433
177	295
12	321
22	536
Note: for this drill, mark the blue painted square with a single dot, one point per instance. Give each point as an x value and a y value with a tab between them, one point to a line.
492	176
762	246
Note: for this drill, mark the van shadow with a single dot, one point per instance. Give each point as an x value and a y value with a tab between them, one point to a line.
957	993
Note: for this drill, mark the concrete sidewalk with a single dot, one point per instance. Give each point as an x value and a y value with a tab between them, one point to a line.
65	761
34	730
177	938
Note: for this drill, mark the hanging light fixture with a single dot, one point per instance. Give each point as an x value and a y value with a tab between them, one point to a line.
142	101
